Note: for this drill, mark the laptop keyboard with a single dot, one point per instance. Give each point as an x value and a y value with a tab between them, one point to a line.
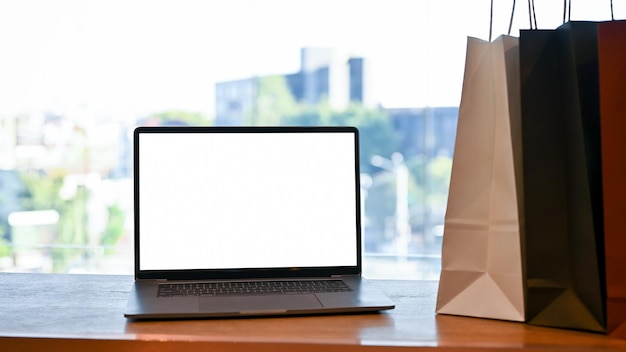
252	288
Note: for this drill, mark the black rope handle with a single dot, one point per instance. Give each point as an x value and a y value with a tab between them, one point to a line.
612	15
568	9
491	20
532	17
511	20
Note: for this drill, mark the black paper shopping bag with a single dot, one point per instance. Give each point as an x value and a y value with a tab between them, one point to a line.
562	237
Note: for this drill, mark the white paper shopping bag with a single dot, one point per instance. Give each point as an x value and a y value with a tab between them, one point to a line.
481	254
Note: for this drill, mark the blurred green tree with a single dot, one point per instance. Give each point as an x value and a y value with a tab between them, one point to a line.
273	101
174	117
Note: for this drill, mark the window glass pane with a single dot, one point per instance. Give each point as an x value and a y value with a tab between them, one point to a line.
76	76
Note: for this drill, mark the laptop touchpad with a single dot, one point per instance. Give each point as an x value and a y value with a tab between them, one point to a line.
258	304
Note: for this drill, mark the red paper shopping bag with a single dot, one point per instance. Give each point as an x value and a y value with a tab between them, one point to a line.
612	73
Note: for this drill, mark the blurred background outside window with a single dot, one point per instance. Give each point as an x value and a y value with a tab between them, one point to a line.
76	76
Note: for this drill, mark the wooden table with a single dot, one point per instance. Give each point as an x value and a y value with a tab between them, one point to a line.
55	312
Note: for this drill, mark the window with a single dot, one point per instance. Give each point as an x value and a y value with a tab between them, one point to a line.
77	76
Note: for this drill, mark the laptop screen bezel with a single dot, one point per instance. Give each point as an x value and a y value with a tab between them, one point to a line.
244	273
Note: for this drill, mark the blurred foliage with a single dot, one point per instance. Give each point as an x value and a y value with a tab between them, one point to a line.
179	117
273	101
440	169
43	192
5	249
114	228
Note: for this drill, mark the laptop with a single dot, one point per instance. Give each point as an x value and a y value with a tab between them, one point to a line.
248	221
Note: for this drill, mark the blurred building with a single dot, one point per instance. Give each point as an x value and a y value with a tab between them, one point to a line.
428	132
325	73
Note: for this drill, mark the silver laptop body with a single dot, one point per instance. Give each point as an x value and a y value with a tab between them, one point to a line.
220	209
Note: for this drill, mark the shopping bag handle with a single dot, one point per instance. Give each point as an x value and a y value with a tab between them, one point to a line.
532	16
491	20
567	10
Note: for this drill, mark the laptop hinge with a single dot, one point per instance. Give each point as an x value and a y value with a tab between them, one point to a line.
151	280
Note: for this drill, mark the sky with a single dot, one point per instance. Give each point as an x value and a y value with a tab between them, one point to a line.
129	57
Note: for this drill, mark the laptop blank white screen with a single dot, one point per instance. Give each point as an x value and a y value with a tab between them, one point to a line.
247	200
